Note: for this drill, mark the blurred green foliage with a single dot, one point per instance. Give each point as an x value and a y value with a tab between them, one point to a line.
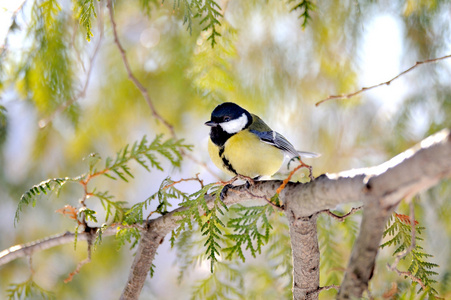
274	61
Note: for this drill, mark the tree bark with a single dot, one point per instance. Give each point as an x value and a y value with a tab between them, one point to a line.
148	245
381	188
363	257
28	249
385	186
305	249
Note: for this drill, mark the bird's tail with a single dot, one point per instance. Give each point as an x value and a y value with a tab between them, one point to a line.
308	154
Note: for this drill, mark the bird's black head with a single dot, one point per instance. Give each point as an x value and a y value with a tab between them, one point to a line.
227	119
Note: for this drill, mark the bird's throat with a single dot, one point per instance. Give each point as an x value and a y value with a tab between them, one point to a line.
219	136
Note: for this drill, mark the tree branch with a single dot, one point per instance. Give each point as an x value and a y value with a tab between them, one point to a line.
364	89
363	257
403	176
19	251
305	249
413	170
381	188
343	217
145	92
131	76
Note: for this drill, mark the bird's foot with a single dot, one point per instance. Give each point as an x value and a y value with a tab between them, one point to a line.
249	181
224	191
229	184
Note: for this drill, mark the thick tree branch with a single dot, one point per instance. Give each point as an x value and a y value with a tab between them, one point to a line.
403	176
411	171
381	188
363	257
305	249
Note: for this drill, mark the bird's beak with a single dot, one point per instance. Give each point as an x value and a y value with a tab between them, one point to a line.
211	123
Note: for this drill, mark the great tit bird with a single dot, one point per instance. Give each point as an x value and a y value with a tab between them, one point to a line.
242	144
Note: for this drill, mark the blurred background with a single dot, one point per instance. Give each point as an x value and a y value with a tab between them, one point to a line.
266	61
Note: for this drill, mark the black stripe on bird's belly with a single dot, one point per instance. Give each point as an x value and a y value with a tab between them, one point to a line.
226	162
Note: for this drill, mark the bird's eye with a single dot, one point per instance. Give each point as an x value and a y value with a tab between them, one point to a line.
226	119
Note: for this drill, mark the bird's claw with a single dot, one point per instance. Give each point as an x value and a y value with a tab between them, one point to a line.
224	191
229	185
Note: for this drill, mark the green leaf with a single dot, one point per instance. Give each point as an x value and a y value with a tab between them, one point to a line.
86	12
130	235
28	290
92	159
305	7
208	11
142	152
110	206
88	214
36	191
209	223
251	227
419	266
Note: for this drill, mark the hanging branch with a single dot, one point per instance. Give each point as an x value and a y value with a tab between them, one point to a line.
131	76
364	89
144	90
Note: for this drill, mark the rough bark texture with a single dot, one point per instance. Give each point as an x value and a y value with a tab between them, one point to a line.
305	249
381	188
365	250
386	185
148	245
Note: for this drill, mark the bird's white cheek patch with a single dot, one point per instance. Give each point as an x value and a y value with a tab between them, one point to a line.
234	126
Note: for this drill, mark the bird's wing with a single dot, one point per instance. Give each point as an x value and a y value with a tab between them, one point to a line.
277	140
267	135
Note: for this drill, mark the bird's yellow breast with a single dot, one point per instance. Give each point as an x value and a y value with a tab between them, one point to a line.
247	155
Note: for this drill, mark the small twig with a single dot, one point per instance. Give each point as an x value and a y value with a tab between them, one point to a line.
83	262
388	294
264	198
343	217
408	274
131	76
30	262
201	182
86	194
4	48
323	288
285	182
235	178
364	89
